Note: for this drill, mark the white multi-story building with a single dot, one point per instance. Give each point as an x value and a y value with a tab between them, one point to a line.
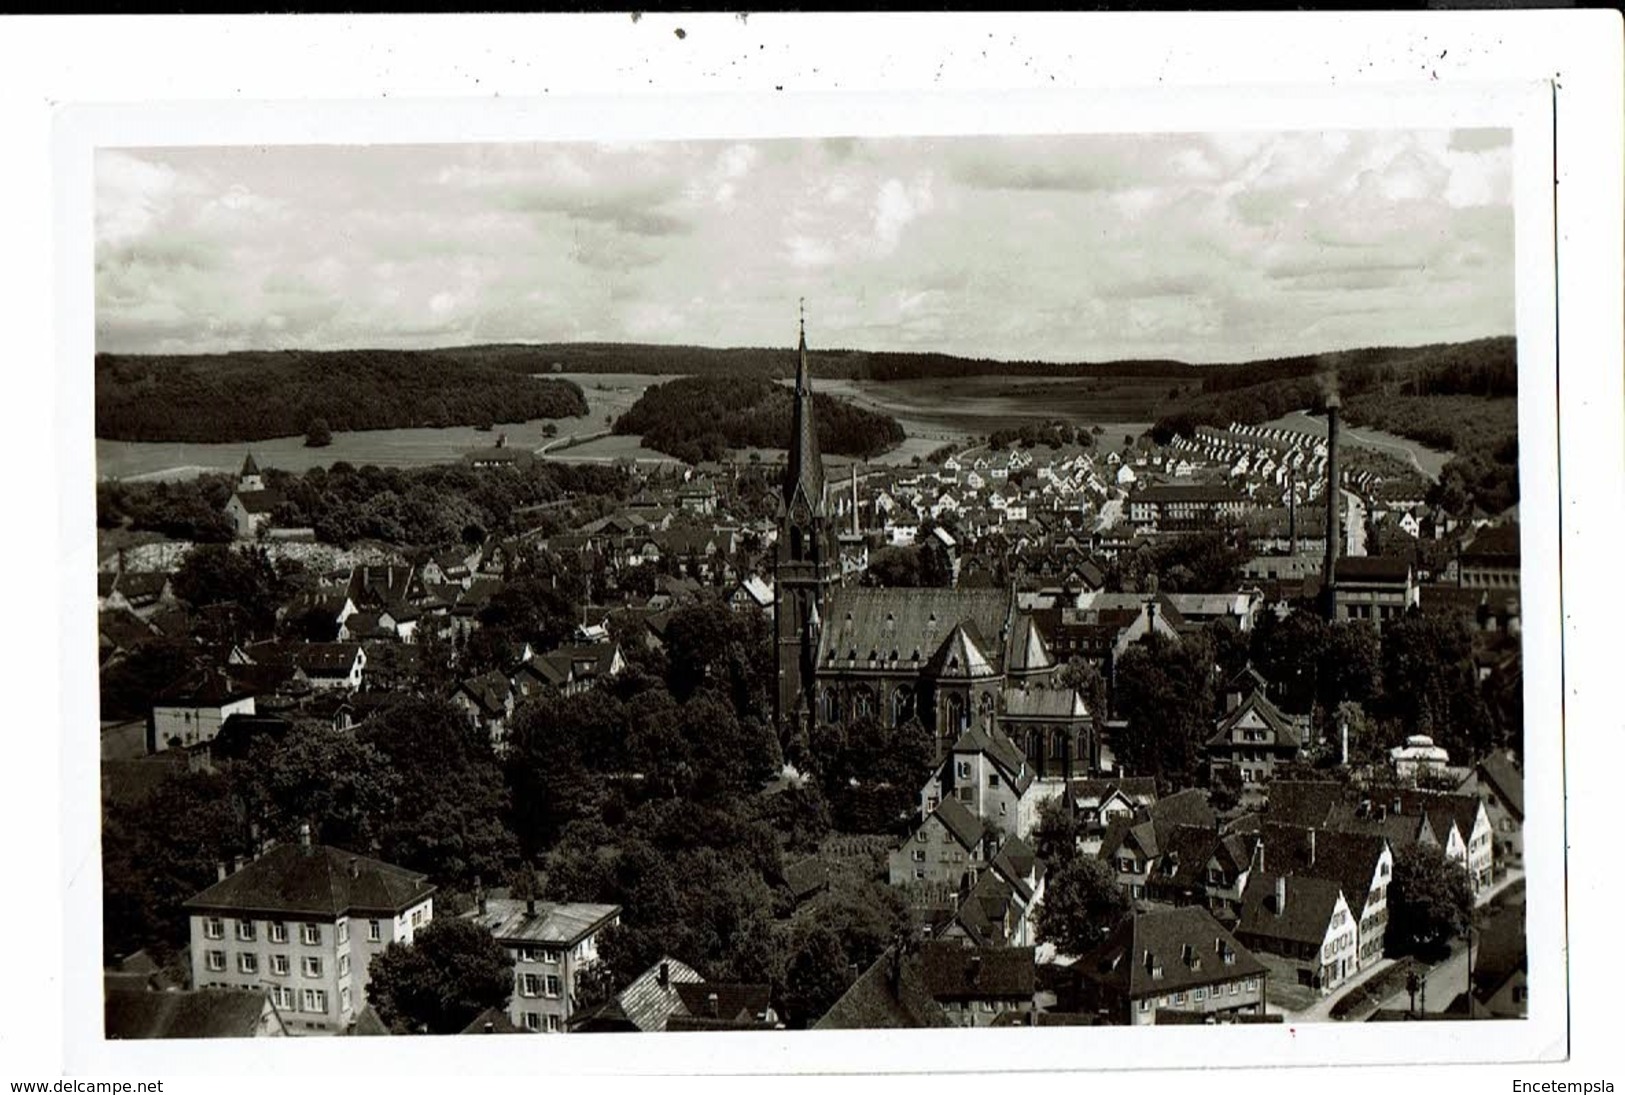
303	922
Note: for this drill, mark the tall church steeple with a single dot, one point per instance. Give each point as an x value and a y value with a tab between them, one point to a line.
805	474
808	564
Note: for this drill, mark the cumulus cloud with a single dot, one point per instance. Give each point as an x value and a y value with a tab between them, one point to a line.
1212	246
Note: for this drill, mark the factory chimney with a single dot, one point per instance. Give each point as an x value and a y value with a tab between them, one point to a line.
1291	510
1334	506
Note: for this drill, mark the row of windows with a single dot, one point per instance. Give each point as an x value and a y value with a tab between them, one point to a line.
276	931
311	1000
532	984
551	955
538	1022
249	962
1198	996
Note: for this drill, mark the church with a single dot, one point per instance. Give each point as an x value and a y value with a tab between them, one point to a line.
956	659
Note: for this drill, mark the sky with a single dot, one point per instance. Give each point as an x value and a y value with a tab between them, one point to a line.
1200	247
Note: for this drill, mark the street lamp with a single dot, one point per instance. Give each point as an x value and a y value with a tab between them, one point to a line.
1411	985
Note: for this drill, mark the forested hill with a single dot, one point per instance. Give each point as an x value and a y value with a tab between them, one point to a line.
699	417
779	362
256	395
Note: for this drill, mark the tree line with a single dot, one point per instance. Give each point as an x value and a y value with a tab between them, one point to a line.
699	418
252	396
428	506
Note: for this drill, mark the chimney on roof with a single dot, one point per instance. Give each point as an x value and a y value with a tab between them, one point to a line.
490	1027
973	970
304	834
220	872
712	1007
355	867
1280	895
236	863
663	978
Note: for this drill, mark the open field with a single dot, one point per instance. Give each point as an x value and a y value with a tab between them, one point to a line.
978	405
932	414
1423	459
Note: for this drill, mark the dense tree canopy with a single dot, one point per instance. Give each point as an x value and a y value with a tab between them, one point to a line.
1165	691
1430	900
258	395
1083	902
451	971
698	418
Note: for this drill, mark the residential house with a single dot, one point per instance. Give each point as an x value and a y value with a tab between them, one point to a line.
551	943
1304	920
488	702
988	774
974	985
1249	742
1498	784
1096	802
1171	960
305	919
948	843
193	1013
892	994
660	994
1362	864
192	711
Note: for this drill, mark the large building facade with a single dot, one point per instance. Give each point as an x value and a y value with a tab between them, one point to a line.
303	923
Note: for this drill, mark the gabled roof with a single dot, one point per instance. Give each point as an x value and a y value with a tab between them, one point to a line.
955	973
961	657
1284	732
1504	778
1309	803
1186	944
1310	903
966	827
318	880
258	502
712	1004
490	692
996	745
196	1013
1092	793
1044	703
489	1021
1348	858
509	920
647	1004
891	994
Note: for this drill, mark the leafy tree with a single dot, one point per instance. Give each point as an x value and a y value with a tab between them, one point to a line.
818	975
1081	675
243	578
451	971
130	685
159	852
1165	691
1289	652
1082	903
1057	834
329	778
1350	664
1430	901
446	815
1430	683
319	435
